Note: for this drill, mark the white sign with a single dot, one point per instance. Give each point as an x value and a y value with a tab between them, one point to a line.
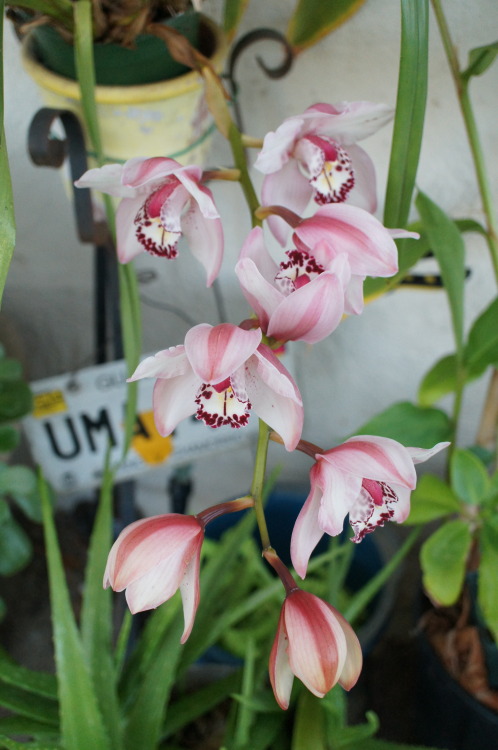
77	416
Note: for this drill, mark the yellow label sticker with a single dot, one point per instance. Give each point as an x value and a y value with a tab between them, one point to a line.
152	447
47	403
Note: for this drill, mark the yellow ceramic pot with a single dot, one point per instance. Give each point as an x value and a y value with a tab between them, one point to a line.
169	118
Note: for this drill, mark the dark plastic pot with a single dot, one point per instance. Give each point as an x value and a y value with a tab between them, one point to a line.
148	62
369	557
448	716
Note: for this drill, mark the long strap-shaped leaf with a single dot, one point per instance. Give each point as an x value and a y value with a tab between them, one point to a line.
96	616
82	726
7	220
410	112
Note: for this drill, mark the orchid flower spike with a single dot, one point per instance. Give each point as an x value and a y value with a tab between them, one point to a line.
155	557
161	201
314	155
220	374
314	642
298	300
369	477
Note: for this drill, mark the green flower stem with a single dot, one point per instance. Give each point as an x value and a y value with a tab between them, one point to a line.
462	87
258	481
239	158
129	303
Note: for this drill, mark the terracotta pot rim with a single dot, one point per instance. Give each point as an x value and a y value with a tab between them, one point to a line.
148	92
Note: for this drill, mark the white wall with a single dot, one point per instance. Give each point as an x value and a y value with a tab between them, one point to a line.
370	361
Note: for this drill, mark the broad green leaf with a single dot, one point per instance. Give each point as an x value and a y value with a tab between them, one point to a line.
471	225
482	345
40	683
17	480
309	724
314	19
15	548
234	10
409	424
10	369
443	557
9	438
447	245
81	721
469	478
15	400
96	615
431	499
487	591
410	112
439	381
480	59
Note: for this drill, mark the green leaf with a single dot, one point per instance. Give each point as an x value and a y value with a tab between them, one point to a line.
409	252
17	480
487	590
24	703
8	744
16	400
7	219
447	245
313	19
482	345
10	369
469	478
480	59
409	424
15	546
410	112
234	10
432	499
439	381
443	557
16	725
13	674
374	744
81	721
96	615
9	438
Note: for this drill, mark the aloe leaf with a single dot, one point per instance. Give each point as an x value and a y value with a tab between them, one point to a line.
27	704
96	615
81	721
39	683
313	19
410	112
309	724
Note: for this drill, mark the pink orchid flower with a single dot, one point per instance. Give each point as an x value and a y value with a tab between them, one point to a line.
297	300
155	557
340	230
161	201
314	643
315	155
369	477
220	374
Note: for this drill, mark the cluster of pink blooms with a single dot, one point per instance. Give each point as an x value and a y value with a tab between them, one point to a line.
222	373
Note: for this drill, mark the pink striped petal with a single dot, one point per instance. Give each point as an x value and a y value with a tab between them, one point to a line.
354	658
216	352
127	244
340	491
364	193
281	676
372	457
107	179
167	363
290	188
349	122
205	238
174	400
254	247
138	172
262	296
156	586
189	590
419	455
278	145
189	177
307	531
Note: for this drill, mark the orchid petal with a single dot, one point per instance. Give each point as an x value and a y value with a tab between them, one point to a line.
419	455
167	363
370	249
353	298
205	238
174	400
354	657
310	313
317	644
254	247
262	296
364	192
189	177
139	172
340	492
274	396
372	457
307	531
127	244
189	590
278	145
281	676
401	509
216	352
107	179
351	121
290	188
157	586
172	199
